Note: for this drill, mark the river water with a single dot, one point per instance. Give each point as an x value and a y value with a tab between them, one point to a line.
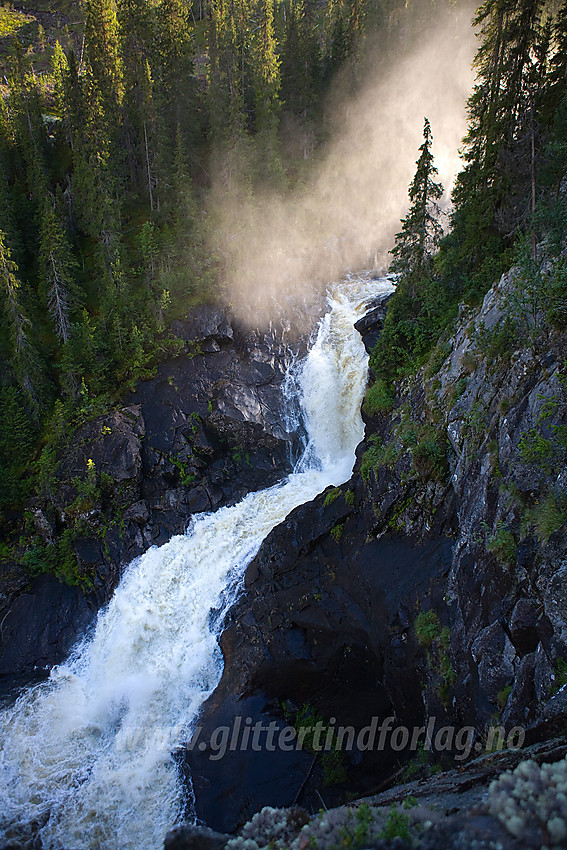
87	754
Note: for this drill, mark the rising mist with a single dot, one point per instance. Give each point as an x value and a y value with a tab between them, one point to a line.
281	247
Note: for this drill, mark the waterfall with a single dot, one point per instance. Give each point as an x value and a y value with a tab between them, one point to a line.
86	755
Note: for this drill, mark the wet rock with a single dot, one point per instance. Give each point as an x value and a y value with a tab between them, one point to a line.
371	324
39	629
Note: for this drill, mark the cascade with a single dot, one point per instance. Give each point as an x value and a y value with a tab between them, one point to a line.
87	754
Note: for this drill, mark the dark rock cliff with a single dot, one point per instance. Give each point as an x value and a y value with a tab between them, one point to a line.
208	429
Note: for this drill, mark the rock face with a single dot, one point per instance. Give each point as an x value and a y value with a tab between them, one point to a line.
453	521
208	429
323	622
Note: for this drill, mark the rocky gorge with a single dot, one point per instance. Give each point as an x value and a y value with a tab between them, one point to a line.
429	587
206	430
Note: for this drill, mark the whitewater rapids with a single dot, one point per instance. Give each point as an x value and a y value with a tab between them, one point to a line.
87	754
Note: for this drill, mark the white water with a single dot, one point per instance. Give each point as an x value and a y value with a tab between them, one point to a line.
89	751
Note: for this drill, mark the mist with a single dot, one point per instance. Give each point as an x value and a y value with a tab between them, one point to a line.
281	249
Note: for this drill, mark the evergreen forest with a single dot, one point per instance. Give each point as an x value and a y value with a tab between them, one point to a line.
114	114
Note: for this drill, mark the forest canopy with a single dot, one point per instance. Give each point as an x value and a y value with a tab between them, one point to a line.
115	113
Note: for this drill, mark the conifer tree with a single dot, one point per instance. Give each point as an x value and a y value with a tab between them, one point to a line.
421	230
102	53
24	359
266	89
57	266
489	188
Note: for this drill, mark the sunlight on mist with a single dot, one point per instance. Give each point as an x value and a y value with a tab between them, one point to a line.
281	249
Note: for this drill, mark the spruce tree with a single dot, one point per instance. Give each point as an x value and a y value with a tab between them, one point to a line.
490	192
421	231
266	67
56	265
24	360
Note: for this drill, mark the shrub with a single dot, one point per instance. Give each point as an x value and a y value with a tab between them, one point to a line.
430	456
427	628
461	387
372	457
503	545
547	516
379	398
437	358
534	448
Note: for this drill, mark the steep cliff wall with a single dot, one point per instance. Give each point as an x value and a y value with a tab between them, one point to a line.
430	587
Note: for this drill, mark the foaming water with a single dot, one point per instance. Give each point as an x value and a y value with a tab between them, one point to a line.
88	753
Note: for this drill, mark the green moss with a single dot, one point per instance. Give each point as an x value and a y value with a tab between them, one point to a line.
502	696
337	532
349	498
332	496
559	676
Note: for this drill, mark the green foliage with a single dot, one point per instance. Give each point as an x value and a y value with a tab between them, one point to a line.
437	641
58	558
460	387
417	316
535	449
332	496
503	545
502	696
437	358
363	821
430	455
16	443
547	516
498	343
187	478
371	458
349	498
427	628
475	422
337	532
421	231
319	738
379	398
397	826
